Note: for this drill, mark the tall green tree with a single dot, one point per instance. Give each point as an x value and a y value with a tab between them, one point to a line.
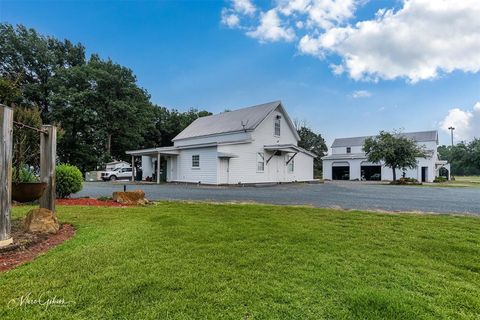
313	142
464	157
395	150
102	111
33	59
170	122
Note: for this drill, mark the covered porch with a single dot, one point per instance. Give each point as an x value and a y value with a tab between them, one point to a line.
151	163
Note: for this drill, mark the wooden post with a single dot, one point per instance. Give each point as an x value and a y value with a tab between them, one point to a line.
48	155
158	168
133	168
6	138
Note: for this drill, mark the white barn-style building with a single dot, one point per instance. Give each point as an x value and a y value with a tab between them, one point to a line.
258	144
347	161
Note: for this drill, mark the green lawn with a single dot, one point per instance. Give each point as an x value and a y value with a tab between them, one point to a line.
178	260
460	181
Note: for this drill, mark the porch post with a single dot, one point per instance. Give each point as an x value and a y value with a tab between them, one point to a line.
133	168
48	157
158	168
6	137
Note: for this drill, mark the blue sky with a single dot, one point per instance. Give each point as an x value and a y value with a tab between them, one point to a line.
185	56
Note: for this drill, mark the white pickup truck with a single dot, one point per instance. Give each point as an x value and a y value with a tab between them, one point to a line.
117	174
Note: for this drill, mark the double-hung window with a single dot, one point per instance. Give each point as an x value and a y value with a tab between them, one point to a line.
276	126
196	161
260	162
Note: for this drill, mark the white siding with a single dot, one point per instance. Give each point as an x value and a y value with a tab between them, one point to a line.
239	136
206	173
243	168
343	150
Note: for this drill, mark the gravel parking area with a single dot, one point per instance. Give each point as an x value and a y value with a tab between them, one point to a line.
336	195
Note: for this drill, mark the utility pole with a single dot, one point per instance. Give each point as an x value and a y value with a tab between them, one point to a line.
451	133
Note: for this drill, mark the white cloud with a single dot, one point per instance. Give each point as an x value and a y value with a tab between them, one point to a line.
270	28
229	19
421	40
465	122
244	6
361	94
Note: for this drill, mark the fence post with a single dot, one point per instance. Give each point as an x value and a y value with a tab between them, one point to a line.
6	138
48	155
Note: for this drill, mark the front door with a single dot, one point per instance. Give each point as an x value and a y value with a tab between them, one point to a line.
424	174
224	171
281	167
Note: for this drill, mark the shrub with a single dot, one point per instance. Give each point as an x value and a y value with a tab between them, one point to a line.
440	179
405	181
69	180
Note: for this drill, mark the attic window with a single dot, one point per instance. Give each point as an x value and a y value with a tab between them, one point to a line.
349	150
276	128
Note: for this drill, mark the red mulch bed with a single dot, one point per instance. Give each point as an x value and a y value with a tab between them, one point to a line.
88	202
31	245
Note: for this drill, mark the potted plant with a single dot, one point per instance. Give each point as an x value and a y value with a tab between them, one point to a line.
26	186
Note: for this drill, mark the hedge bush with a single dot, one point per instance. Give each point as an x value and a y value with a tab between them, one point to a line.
406	181
69	180
440	180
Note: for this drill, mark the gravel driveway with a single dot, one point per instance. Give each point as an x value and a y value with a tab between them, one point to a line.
339	195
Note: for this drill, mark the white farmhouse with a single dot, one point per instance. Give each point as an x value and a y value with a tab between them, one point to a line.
347	161
250	145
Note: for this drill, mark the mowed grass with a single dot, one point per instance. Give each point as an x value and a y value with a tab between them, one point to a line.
176	260
460	181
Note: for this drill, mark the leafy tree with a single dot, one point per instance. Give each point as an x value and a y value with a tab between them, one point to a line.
464	157
315	143
395	150
101	110
169	123
33	59
10	93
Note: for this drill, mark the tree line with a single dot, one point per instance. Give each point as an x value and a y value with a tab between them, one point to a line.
96	103
464	157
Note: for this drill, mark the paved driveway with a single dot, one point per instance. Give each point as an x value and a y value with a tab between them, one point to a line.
340	195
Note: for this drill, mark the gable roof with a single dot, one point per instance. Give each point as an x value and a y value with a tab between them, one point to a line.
421	136
232	121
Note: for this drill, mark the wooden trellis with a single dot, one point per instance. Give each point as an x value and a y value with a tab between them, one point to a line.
48	152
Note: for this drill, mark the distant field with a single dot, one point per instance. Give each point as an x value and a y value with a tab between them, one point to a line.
465	181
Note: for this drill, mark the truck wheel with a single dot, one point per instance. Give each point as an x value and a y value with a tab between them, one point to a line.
113	178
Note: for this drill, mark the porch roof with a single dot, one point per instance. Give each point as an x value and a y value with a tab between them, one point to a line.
291	148
173	151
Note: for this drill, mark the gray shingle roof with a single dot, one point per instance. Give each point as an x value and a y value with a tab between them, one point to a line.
422	136
228	121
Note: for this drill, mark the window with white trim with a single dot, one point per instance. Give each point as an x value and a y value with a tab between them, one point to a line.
260	162
276	126
291	164
196	161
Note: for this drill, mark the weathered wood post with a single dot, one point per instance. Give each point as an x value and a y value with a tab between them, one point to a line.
48	155
6	141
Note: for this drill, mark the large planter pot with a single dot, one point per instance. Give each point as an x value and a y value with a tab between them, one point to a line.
27	192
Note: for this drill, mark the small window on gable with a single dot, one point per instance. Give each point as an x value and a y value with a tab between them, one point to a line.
260	162
349	150
277	126
195	161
